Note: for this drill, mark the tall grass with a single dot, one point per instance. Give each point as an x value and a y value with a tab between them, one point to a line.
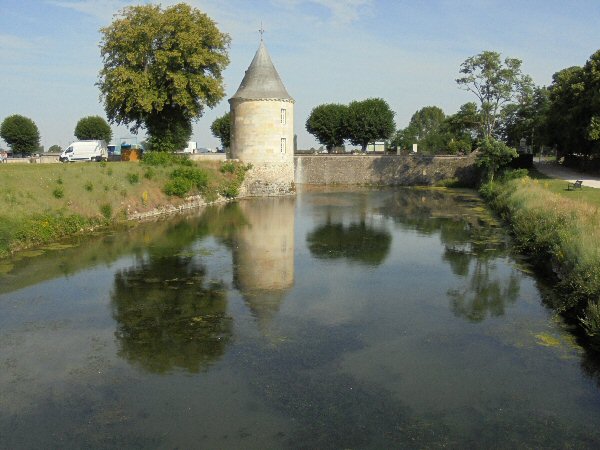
559	234
40	203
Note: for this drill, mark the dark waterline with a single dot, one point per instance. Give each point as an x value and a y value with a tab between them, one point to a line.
336	319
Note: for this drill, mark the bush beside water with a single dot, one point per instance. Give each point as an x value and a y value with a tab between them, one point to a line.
561	236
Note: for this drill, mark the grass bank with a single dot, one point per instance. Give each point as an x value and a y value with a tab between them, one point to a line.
42	203
559	231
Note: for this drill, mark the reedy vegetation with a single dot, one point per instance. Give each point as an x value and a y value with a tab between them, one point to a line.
560	235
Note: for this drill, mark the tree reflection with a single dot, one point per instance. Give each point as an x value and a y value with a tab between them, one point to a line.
168	316
484	294
472	241
357	242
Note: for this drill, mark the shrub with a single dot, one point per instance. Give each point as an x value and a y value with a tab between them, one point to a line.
228	167
178	187
43	228
89	186
133	178
149	173
158	158
230	189
106	211
58	192
591	321
198	177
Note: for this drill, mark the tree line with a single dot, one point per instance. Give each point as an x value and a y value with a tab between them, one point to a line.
509	109
163	67
23	136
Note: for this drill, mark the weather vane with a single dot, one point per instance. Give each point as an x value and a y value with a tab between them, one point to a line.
261	31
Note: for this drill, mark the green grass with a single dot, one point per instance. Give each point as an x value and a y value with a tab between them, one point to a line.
51	197
585	194
560	231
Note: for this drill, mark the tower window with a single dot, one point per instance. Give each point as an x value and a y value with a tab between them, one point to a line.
283	116
283	145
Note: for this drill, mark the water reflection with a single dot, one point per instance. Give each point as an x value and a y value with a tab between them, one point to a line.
357	242
353	237
472	242
263	254
168	314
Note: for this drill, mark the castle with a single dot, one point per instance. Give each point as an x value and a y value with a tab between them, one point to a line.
262	128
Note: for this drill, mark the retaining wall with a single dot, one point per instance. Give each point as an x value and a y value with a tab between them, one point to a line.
384	169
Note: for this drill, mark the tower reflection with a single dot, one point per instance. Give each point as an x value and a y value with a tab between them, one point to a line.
263	255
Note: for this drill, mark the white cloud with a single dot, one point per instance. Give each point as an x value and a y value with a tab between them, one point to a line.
101	9
342	11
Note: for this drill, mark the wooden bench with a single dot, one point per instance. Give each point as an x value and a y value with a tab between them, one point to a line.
576	185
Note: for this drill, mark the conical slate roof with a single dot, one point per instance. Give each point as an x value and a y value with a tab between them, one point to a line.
261	80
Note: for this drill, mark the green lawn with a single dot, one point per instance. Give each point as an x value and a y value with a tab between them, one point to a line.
585	194
41	203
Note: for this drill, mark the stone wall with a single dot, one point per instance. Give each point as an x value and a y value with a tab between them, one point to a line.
268	179
403	170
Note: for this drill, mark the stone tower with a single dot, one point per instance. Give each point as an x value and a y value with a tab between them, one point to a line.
262	128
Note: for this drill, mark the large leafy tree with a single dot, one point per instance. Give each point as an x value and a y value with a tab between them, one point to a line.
426	129
221	129
463	129
527	119
574	112
21	134
495	83
93	127
369	120
161	68
566	115
328	124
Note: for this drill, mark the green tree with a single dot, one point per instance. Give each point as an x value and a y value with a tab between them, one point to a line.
369	120
426	129
328	124
221	129
527	119
574	112
93	127
494	83
21	134
55	149
462	129
161	68
566	117
493	155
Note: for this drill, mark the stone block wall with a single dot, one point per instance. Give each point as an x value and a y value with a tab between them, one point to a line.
257	130
269	179
401	170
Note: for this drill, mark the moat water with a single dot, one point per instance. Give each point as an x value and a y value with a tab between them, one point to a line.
395	318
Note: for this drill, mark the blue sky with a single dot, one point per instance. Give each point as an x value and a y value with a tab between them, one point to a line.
407	52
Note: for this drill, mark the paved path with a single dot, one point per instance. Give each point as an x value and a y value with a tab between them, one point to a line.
554	170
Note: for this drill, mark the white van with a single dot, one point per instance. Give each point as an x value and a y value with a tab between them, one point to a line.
85	151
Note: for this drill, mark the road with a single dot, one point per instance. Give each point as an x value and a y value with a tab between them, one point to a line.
554	170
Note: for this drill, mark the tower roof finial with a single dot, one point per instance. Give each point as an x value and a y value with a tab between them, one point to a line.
261	31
